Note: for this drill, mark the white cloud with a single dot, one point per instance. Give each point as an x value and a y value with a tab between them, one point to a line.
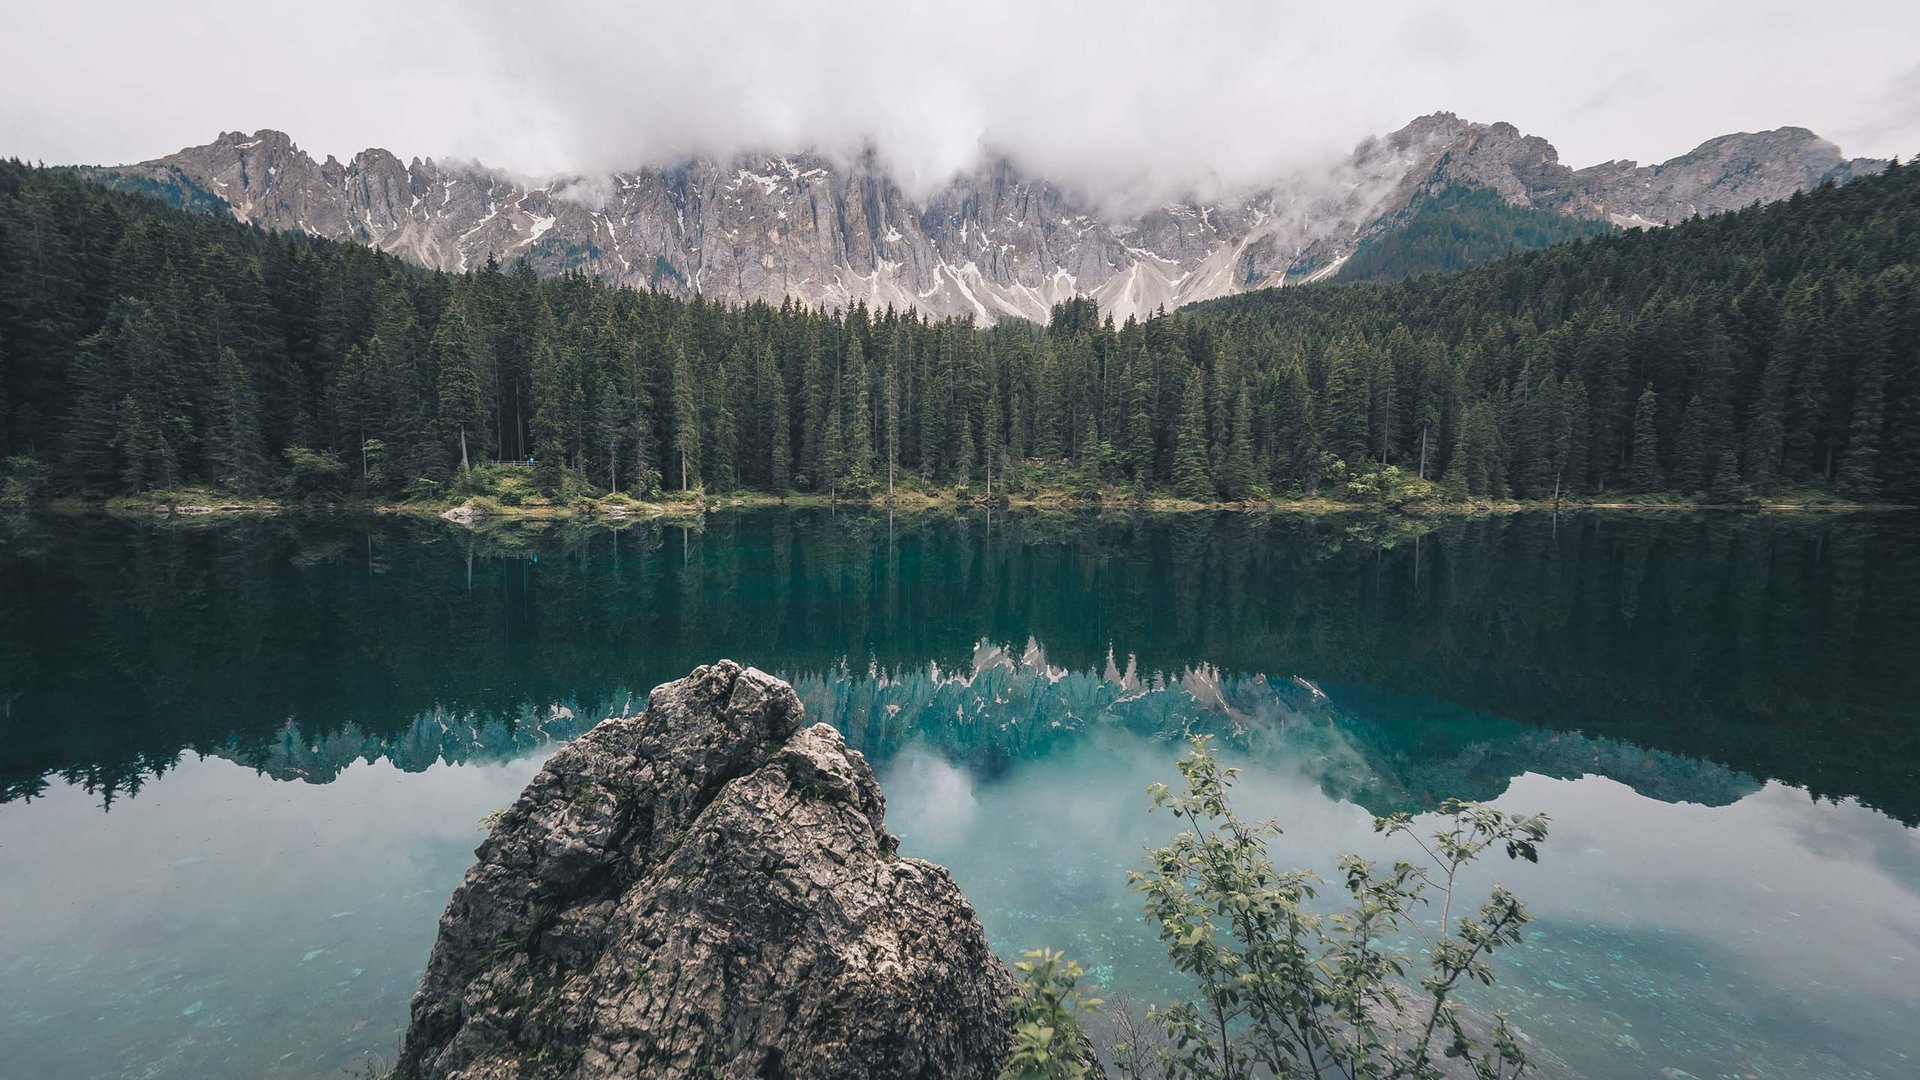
1108	95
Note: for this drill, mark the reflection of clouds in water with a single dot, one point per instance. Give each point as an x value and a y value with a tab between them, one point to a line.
1852	834
929	800
1706	933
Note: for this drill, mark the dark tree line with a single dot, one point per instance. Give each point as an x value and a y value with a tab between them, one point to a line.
144	347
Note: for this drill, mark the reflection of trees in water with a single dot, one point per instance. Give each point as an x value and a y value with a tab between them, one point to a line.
1381	751
1774	646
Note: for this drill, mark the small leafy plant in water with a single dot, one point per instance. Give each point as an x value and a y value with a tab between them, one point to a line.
1285	990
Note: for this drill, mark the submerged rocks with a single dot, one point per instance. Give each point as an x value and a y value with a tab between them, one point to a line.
706	889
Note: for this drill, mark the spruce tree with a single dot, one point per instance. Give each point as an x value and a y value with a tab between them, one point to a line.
1136	432
1859	468
720	438
1237	468
1694	462
1190	479
684	420
1344	427
858	432
234	445
890	415
1294	452
463	416
780	455
1645	472
833	452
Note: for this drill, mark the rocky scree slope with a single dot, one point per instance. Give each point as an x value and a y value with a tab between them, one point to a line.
992	243
706	890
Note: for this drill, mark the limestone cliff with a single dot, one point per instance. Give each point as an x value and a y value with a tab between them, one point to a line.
992	242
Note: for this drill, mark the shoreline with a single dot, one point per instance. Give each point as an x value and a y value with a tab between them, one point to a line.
611	510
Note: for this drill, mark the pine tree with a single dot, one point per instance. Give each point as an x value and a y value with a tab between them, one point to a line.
148	461
858	433
833	452
234	444
1694	462
720	442
1645	474
1237	469
1573	440
780	454
641	433
549	379
1136	452
1347	406
461	375
1295	454
815	398
1190	479
963	452
684	421
1477	466
1766	425
1534	465
1859	473
890	415
1049	421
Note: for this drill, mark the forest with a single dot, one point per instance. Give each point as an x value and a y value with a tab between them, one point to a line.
1765	353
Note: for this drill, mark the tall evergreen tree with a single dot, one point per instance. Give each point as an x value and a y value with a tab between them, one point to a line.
1190	478
1236	467
1645	475
684	421
234	444
858	433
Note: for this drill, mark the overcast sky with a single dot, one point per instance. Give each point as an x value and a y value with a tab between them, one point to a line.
1113	95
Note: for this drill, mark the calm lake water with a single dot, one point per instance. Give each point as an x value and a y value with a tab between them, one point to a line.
243	766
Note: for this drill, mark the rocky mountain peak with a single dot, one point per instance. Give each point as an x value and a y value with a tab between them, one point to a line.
992	242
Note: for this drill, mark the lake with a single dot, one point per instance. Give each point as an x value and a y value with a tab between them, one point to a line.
242	765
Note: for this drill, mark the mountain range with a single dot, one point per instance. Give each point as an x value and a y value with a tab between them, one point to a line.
991	243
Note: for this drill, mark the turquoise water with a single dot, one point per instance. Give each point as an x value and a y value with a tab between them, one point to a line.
241	767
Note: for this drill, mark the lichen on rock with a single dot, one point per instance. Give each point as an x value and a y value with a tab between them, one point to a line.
706	889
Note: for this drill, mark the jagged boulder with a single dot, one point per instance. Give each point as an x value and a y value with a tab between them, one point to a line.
706	890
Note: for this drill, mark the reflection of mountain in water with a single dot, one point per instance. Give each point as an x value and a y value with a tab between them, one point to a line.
1775	647
1385	754
1381	752
432	739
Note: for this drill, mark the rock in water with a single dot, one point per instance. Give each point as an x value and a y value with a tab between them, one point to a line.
706	890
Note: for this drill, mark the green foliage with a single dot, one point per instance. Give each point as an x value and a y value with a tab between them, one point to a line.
1190	479
1457	228
1049	1035
1374	483
22	480
1287	990
149	348
314	473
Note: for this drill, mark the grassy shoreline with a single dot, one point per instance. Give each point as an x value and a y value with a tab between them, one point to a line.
191	505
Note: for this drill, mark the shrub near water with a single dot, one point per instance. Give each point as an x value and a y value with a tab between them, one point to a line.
1284	990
